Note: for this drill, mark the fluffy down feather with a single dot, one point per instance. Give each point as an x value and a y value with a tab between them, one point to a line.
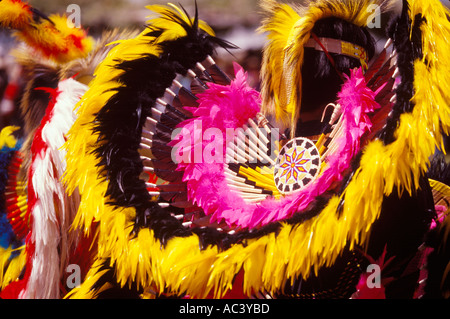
56	39
15	14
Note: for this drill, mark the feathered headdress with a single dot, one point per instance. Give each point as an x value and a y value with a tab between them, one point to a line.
54	37
289	29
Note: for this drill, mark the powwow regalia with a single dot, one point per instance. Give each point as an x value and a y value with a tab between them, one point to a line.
178	180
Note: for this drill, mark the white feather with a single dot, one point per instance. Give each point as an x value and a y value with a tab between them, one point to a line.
54	210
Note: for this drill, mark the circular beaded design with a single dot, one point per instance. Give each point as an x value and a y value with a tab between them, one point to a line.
297	165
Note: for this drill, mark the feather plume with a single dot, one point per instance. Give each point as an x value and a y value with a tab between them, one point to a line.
279	22
57	40
83	69
53	37
15	14
51	210
37	73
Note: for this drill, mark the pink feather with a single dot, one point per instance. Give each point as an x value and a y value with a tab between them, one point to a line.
225	107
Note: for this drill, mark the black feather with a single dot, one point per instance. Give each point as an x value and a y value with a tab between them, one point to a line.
161	151
169	121
163	132
375	66
187	98
197	86
386	93
114	290
169	175
385	74
166	166
407	52
218	75
174	196
181	187
439	169
336	282
176	114
379	75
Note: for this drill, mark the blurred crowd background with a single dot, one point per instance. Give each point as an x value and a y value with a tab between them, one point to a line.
234	20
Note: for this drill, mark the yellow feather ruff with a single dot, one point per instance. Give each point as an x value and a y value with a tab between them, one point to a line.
431	74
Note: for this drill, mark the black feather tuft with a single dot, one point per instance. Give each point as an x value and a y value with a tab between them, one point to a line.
439	169
407	52
114	290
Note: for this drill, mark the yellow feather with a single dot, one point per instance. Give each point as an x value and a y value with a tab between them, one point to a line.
7	138
10	268
443	189
431	74
278	24
260	179
85	290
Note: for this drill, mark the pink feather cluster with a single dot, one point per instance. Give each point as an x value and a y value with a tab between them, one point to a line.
231	106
